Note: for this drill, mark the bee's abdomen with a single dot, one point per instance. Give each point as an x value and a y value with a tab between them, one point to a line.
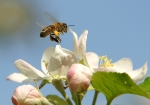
43	34
46	31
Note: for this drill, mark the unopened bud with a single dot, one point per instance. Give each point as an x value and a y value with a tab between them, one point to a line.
79	77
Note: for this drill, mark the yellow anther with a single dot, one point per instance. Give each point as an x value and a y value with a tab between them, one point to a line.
105	62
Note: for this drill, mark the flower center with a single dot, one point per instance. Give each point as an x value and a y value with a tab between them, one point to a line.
52	75
105	62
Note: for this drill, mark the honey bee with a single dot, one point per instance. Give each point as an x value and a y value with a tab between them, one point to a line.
54	30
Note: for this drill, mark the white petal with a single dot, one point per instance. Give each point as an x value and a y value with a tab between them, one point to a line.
18	77
75	42
93	59
123	65
139	74
28	70
86	62
46	57
62	58
82	44
61	71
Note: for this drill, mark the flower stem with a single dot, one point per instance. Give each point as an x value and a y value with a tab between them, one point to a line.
60	87
79	99
95	97
68	99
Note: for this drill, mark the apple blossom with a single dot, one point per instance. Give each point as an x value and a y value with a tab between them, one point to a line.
79	77
124	65
28	95
57	61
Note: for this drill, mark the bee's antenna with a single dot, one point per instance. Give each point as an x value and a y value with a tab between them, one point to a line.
70	25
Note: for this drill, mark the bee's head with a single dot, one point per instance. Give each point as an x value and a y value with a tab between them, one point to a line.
64	24
65	27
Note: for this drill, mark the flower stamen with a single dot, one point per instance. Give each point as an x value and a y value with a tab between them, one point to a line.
105	62
46	63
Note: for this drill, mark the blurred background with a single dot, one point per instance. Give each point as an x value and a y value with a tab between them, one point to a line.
116	28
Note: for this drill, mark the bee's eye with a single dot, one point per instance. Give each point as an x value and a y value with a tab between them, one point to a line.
65	25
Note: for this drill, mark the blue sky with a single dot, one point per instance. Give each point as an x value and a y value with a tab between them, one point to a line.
116	28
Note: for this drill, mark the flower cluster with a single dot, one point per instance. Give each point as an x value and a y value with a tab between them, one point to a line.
74	67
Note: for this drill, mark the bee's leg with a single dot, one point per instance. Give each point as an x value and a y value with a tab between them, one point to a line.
52	34
53	38
58	39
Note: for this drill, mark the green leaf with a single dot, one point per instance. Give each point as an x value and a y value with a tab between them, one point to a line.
56	100
113	84
146	85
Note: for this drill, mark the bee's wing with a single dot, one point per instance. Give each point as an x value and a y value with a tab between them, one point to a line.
40	25
50	17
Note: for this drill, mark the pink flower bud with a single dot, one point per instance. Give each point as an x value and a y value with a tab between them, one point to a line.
28	95
79	77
